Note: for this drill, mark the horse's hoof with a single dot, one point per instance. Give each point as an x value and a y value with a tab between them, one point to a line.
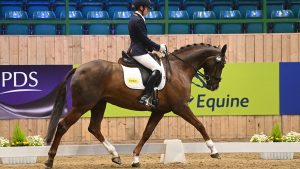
48	164
116	160
217	156
136	165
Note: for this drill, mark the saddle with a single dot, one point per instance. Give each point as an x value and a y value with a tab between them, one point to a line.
128	61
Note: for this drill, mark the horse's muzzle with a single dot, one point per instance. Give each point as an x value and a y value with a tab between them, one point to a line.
212	87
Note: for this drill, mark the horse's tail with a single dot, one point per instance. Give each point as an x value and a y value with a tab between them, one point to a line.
58	107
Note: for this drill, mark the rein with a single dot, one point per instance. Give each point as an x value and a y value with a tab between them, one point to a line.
198	74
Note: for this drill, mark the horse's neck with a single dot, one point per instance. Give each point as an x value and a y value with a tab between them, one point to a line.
191	61
197	57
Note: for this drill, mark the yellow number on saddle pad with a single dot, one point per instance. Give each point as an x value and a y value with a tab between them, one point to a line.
133	80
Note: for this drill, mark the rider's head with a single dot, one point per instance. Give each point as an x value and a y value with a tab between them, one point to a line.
143	6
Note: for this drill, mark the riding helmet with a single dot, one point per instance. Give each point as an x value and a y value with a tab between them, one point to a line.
137	3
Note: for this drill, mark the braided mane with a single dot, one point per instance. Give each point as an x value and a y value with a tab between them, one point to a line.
195	45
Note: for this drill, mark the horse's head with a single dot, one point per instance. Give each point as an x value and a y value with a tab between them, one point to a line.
213	67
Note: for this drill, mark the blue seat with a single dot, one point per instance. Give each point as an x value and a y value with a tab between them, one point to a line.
98	29
60	5
204	28
244	5
192	6
37	5
6	6
254	27
90	5
178	28
116	5
74	29
221	5
121	28
174	5
273	5
16	29
295	6
44	29
154	28
284	27
228	28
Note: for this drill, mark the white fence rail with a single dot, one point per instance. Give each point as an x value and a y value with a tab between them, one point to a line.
151	148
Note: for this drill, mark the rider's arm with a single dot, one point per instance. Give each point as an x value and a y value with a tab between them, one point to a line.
142	34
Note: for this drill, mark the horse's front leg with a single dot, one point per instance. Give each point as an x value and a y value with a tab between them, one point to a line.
185	112
152	123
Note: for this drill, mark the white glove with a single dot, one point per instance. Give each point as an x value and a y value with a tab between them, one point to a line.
163	48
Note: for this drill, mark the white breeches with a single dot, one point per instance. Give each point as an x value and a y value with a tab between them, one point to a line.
148	62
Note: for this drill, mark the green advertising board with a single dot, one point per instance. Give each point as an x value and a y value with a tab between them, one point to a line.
245	89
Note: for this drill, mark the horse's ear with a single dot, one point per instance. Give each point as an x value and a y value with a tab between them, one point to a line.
223	50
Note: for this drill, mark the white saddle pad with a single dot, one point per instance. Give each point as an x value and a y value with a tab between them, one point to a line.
133	78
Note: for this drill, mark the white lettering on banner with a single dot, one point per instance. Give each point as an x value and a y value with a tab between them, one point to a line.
5	78
17	78
34	79
18	74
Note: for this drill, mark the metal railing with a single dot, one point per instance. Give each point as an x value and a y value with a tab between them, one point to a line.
264	20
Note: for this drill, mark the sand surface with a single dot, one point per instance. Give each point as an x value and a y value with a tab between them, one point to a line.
230	161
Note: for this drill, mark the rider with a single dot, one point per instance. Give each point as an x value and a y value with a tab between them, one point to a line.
141	45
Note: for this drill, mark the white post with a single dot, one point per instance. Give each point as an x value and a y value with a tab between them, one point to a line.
174	152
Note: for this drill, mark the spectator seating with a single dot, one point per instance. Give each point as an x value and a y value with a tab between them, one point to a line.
179	28
191	6
16	29
74	29
274	5
115	6
174	5
221	5
90	5
294	6
249	9
254	27
154	28
204	28
44	29
122	28
98	29
228	28
284	27
37	5
60	6
244	5
6	6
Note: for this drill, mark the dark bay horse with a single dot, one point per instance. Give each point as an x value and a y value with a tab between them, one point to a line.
98	82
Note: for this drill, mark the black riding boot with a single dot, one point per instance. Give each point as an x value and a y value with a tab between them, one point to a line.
152	82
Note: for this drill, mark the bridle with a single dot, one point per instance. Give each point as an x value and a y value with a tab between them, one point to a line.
199	74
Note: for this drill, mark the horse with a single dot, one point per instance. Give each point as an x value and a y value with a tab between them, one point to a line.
98	82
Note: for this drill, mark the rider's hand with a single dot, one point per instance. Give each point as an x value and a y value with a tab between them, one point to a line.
163	48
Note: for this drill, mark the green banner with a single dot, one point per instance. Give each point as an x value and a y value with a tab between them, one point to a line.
245	89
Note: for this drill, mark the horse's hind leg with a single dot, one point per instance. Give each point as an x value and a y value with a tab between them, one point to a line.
152	123
62	127
97	113
185	112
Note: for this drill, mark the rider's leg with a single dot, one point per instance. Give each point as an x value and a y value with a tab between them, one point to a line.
151	83
151	64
